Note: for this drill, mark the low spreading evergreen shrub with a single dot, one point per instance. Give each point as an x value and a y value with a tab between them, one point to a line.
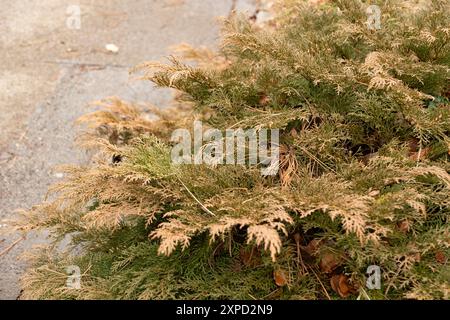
364	119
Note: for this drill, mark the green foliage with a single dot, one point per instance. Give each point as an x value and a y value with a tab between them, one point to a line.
364	175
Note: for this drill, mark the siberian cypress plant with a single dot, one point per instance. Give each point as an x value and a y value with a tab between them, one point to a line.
364	116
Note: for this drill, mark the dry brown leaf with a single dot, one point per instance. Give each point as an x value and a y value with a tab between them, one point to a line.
340	284
294	133
329	262
280	278
404	226
264	100
312	247
415	152
250	257
440	257
420	155
413	145
416	257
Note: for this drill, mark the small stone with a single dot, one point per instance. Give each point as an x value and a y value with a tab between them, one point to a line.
112	48
263	16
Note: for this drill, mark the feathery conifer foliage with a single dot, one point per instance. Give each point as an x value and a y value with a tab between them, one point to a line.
363	180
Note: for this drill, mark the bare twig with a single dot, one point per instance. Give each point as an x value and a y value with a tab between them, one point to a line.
323	287
196	200
11	246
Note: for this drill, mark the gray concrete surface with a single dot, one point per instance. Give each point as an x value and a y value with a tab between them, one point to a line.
47	80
